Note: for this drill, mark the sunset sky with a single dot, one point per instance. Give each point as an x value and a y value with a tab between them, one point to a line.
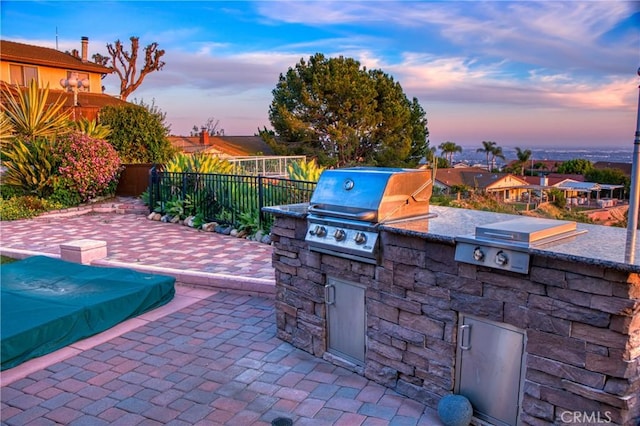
526	73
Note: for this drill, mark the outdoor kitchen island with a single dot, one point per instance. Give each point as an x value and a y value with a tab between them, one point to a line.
555	342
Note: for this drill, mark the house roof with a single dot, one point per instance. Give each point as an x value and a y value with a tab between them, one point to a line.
232	146
552	178
192	145
472	177
85	99
12	51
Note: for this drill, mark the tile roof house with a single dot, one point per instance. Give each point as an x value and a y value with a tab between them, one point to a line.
505	185
223	146
20	63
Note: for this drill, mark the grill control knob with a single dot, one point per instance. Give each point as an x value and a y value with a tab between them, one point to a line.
501	258
319	231
360	238
339	235
478	254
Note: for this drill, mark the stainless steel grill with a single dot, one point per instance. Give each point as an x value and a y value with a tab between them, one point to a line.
348	205
505	245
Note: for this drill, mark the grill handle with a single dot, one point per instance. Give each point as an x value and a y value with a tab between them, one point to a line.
465	330
419	190
330	296
365	215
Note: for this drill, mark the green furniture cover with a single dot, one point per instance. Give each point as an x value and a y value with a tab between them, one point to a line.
48	303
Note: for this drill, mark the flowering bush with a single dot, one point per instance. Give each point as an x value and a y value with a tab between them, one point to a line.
88	166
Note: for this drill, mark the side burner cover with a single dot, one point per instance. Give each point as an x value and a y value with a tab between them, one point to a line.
525	230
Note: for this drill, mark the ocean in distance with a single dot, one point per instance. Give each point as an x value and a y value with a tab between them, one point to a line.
613	155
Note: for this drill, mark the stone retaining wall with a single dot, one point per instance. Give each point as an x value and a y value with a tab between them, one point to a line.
582	322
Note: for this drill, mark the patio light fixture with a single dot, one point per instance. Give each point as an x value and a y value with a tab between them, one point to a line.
74	83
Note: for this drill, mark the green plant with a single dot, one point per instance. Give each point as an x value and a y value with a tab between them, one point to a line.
92	128
558	198
173	208
63	194
198	220
145	197
198	163
88	166
30	112
25	207
30	166
138	133
8	191
304	170
6	129
248	221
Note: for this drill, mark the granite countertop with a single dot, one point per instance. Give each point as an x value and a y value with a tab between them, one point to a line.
599	245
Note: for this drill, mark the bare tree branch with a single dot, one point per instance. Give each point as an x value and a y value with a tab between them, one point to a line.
125	64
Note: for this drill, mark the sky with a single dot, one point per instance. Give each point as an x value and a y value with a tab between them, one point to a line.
524	73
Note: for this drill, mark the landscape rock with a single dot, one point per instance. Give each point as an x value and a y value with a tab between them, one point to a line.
209	227
266	239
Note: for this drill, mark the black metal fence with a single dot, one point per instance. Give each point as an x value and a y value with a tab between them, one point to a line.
228	199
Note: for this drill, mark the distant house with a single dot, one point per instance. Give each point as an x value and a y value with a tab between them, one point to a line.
551	179
223	146
503	185
20	63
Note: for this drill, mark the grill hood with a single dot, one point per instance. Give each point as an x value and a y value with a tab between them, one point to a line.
372	194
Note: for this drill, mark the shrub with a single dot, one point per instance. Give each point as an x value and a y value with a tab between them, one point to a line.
198	163
138	133
88	166
92	128
29	167
25	207
305	170
31	114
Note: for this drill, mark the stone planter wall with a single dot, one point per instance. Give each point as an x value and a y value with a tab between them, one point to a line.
582	322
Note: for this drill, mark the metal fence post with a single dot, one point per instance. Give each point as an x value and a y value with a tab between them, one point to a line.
153	176
260	202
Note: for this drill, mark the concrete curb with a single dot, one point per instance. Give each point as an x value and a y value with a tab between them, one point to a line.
230	283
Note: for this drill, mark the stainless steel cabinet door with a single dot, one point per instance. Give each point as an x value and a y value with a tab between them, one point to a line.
490	360
346	319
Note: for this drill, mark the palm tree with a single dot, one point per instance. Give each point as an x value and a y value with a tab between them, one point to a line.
523	158
487	148
449	148
493	151
496	152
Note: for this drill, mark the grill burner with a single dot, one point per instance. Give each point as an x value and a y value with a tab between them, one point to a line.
349	204
505	245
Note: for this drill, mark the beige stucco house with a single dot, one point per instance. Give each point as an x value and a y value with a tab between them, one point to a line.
82	91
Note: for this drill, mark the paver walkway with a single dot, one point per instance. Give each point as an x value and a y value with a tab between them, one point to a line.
216	362
207	358
138	241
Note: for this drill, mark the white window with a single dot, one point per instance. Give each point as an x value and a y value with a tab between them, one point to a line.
22	74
